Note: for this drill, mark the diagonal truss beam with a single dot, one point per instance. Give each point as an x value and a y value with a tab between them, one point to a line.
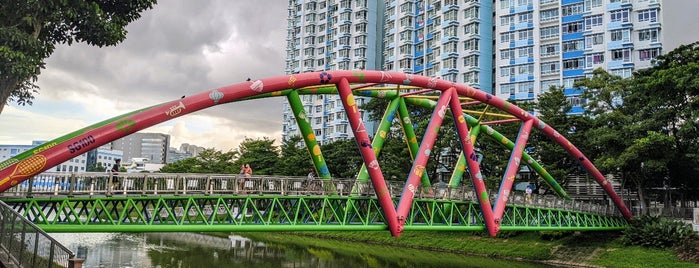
362	138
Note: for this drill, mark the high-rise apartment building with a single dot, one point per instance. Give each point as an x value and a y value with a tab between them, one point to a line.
515	49
331	35
152	146
544	43
449	39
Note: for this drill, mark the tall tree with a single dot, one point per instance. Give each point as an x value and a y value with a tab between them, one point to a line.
30	31
261	154
295	160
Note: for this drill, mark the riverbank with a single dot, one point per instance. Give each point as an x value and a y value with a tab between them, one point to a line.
586	249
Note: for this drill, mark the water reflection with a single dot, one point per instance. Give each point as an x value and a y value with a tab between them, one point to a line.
184	250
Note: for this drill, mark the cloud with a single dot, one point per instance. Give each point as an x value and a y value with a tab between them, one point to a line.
178	48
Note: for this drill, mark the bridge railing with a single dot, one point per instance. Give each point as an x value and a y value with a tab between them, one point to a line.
26	245
97	183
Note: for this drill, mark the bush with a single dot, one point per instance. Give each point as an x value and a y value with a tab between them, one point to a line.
554	235
658	232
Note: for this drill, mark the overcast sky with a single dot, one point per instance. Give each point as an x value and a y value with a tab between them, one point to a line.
177	48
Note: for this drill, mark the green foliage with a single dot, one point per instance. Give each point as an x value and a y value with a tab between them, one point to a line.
208	161
554	235
30	31
343	158
658	232
294	159
261	154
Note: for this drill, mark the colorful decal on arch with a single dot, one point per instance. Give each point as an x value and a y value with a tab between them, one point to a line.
215	96
26	167
359	75
257	86
175	109
432	82
292	80
125	125
385	77
408	79
325	77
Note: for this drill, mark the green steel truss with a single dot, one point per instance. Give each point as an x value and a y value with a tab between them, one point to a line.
282	213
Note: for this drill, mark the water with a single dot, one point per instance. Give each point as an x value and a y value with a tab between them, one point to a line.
185	250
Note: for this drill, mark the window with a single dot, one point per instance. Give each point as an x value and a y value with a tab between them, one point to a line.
573	9
550	50
526	34
507	89
595	39
549	14
507	37
572	64
547	84
593	21
471	61
551	67
405	64
623	54
527	69
623	35
507	71
596	58
570	82
525	17
648	54
624	73
507	20
507	54
471	44
471	77
573	45
549	32
620	15
650	15
648	35
507	4
590	4
471	28
572	27
526	87
471	12
525	52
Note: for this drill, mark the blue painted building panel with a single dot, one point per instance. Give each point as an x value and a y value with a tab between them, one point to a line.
572	54
574	72
571	18
568	2
572	36
521	60
572	91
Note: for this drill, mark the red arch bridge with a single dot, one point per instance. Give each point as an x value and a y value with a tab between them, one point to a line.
368	202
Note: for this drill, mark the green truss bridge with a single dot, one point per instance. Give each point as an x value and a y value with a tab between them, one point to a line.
146	202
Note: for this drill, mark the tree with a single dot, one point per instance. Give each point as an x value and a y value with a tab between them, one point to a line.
261	154
208	161
295	160
343	158
30	31
554	109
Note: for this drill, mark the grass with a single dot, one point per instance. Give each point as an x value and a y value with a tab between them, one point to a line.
588	248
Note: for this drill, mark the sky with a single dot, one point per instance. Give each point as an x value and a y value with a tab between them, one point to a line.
177	48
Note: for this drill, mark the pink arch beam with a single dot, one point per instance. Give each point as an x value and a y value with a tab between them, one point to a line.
30	163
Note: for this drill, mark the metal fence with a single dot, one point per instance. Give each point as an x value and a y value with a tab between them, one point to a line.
144	184
25	245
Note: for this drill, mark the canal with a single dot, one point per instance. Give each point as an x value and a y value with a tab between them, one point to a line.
185	250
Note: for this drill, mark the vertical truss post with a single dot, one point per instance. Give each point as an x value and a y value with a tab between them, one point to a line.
362	138
411	185
512	169
410	137
460	167
307	132
473	167
379	138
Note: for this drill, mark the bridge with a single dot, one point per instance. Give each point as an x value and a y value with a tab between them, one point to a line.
84	202
367	202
